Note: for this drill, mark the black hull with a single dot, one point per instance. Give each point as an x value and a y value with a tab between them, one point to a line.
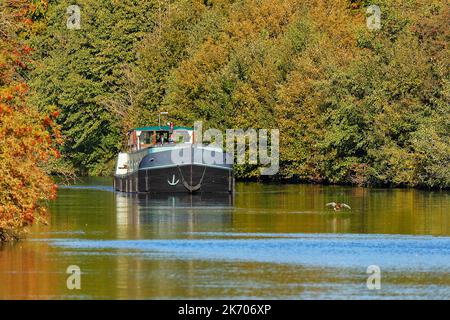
191	178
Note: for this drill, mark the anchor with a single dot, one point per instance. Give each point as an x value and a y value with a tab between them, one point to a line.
173	183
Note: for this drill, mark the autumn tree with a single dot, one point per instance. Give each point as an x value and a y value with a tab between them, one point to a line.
27	138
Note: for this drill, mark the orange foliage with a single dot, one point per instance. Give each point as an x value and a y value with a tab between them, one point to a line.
27	138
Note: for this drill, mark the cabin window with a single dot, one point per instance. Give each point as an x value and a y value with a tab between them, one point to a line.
180	136
147	138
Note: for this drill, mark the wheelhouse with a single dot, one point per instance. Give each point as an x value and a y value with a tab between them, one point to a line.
156	136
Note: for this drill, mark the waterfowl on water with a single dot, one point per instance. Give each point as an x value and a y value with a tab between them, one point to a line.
338	206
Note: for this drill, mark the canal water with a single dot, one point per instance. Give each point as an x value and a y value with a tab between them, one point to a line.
267	242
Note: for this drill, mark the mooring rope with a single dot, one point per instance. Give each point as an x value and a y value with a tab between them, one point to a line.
189	187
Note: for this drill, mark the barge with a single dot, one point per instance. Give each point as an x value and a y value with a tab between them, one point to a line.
166	159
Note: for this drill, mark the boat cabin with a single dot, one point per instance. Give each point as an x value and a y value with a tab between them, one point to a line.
157	136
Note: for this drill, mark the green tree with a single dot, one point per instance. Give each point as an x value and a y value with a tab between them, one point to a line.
83	71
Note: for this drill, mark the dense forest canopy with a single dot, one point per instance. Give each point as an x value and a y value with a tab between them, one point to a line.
353	105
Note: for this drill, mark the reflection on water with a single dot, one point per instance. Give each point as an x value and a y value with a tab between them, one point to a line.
167	215
268	241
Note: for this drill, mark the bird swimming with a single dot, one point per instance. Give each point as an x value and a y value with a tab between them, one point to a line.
337	206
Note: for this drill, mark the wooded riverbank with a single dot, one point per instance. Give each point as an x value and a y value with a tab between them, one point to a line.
355	105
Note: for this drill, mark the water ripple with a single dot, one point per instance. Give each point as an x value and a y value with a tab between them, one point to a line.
395	252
